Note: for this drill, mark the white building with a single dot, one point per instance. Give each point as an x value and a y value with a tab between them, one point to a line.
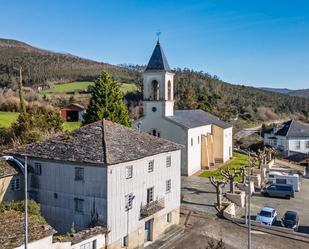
206	139
107	174
291	137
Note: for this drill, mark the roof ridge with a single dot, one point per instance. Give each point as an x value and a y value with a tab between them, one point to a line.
104	144
287	133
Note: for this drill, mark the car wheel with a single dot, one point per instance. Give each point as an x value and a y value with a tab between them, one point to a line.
266	194
288	197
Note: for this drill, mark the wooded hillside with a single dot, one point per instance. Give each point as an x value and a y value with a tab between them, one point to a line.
192	89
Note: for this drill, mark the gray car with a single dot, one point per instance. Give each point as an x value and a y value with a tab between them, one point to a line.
279	190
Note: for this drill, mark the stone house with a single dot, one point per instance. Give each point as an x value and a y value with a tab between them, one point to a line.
107	174
11	182
207	140
291	137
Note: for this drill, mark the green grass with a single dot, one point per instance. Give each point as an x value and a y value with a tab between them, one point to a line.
75	86
7	119
67	87
239	161
70	126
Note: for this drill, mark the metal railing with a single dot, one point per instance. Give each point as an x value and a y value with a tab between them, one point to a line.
152	207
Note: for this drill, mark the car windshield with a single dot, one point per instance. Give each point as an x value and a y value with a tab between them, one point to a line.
290	216
265	213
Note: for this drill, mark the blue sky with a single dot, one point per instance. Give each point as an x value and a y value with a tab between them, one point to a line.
250	42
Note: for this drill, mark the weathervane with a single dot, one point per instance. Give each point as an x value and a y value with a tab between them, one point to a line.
158	35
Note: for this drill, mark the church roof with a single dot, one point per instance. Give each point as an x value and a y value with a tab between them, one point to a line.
102	142
293	128
196	118
158	61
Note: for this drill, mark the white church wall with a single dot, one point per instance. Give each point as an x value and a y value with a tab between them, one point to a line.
194	148
227	144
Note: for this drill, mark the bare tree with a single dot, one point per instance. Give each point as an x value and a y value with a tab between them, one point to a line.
227	173
218	186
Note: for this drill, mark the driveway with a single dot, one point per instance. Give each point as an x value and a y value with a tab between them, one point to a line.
198	194
299	204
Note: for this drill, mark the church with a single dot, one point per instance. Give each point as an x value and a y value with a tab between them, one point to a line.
207	140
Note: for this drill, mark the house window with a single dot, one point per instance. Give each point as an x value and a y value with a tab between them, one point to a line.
168	161
297	145
89	245
129	201
169	217
150	165
149	195
79	205
15	184
124	241
168	186
79	174
155	90
129	172
55	196
37	168
191	141
307	144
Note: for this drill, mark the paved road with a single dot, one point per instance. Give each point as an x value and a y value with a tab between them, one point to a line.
202	228
300	204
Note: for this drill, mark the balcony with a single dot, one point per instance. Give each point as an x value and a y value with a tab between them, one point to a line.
152	207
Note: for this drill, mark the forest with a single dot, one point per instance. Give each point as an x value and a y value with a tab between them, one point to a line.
193	89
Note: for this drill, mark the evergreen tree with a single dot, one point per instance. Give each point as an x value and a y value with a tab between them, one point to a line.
107	102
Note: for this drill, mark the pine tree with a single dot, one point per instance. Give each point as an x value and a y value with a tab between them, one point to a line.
107	102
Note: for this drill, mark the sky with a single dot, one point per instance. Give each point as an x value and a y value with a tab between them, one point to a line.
262	43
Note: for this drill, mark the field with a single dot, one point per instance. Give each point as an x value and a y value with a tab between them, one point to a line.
7	118
70	126
239	161
76	86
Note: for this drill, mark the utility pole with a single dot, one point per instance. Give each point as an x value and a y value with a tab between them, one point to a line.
249	202
26	202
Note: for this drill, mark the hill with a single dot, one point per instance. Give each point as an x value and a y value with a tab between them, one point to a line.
192	89
42	66
300	93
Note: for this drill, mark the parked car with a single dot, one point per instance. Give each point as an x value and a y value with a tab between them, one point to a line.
279	190
290	220
284	178
267	216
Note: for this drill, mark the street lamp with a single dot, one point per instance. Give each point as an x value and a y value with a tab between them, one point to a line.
23	168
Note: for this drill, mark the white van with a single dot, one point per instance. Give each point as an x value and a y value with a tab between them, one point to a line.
284	178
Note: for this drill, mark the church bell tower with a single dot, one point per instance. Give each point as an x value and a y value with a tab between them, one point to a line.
158	85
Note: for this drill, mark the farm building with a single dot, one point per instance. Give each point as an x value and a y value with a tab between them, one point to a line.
73	113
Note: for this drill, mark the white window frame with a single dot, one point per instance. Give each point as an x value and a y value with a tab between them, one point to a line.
150	166
124	241
129	172
168	161
128	201
150	197
297	144
169	217
168	186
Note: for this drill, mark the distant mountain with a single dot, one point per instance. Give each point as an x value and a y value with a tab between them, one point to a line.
43	66
299	93
192	88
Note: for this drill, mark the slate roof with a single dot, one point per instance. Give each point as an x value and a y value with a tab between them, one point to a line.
102	142
196	118
293	128
158	61
12	229
6	169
